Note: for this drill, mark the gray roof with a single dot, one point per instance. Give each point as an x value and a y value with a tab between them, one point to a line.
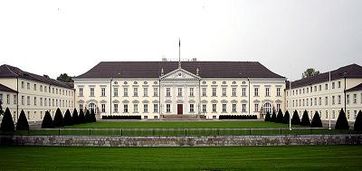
7	71
6	89
207	69
355	88
349	71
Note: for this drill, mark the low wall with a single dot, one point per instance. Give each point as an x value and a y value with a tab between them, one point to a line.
103	141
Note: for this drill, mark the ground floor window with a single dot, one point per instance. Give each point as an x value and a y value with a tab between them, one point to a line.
267	108
256	107
103	108
168	108
214	107
155	108
92	106
115	108
278	107
125	108
192	110
224	108
234	107
204	108
135	108
145	108
243	108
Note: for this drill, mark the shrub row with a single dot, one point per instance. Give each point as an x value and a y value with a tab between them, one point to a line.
67	120
237	117
121	117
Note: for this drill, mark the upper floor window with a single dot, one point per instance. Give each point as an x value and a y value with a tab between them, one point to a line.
22	84
203	92
135	92
45	89
347	98
91	94
191	92
41	88
320	87
155	92
179	92
339	99
214	91
145	92
233	92
28	86
354	98
326	86
243	92
256	91
224	91
326	101
333	85
103	92
115	92
339	84
34	87
125	92
80	92
278	91
168	92
267	92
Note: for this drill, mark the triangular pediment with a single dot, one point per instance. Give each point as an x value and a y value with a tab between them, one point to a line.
179	73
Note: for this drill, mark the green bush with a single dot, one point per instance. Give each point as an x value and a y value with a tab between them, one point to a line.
295	118
87	117
81	118
22	123
47	121
305	119
93	116
75	116
342	122
274	117
279	116
358	122
267	117
67	118
7	124
58	119
286	117
316	121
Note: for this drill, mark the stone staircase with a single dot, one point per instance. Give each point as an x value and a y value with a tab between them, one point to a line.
182	117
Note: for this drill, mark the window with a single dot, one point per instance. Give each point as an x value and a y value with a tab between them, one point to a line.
34	87
267	92
267	107
214	91
145	108
28	86
326	101
15	100
315	101
339	84
80	106
103	92
243	92
191	92
278	91
28	100
52	90
233	108
145	92
155	108
243	108
214	108
168	92
115	92
320	87
22	84
278	107
135	92
179	92
256	107
115	108
354	98
192	110
326	86
125	92
223	91
41	88
91	92
45	89
56	91
333	85
233	92
315	88
103	108
333	100
203	108
168	108
8	99
41	101
135	108
203	92
256	91
22	100
80	92
339	99
45	102
347	98
223	108
125	108
155	92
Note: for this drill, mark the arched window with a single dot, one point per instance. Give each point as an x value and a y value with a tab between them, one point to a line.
92	106
267	107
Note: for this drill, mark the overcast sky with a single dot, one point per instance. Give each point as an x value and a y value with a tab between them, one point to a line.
287	36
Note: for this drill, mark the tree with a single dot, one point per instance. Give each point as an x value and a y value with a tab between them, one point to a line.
58	119
7	124
93	116
279	116
47	121
1	107
75	116
309	73
274	117
22	122
65	78
316	121
81	117
342	122
286	117
358	122
87	116
267	116
67	118
295	118
305	119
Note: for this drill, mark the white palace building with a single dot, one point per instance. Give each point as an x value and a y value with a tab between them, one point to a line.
156	90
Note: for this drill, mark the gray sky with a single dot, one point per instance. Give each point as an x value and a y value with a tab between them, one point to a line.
287	36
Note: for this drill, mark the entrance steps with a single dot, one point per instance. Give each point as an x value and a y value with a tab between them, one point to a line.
182	117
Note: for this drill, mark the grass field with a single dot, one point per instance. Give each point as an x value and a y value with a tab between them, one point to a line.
181	124
209	158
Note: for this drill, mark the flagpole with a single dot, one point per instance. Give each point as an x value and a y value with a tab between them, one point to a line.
290	117
329	104
179	53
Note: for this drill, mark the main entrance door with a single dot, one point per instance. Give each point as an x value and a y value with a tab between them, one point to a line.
179	109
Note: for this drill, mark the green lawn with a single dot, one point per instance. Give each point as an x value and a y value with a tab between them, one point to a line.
208	158
181	124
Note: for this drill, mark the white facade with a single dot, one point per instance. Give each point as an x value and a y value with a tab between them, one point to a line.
180	92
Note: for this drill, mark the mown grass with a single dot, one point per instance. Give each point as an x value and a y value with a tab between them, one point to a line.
209	158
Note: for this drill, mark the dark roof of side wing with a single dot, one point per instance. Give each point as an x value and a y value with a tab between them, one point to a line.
355	88
207	69
6	89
